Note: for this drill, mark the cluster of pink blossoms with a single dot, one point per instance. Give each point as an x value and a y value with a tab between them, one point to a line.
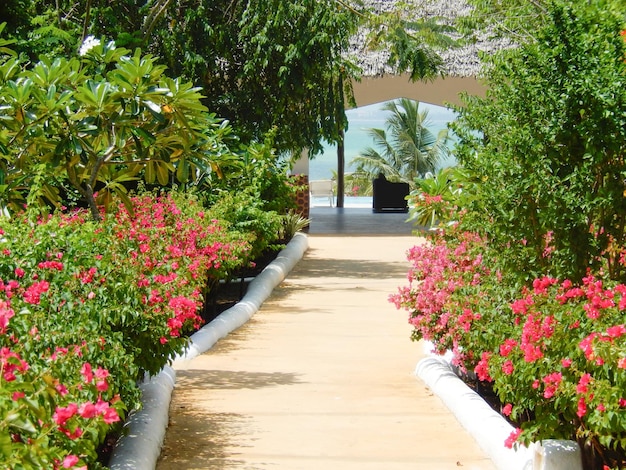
86	410
551	317
10	364
189	246
437	271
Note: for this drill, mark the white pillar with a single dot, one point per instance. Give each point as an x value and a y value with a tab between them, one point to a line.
301	165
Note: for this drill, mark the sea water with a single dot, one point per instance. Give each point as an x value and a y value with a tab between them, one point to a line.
324	165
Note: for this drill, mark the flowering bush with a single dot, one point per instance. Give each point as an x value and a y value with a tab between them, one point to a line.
555	353
543	323
450	296
86	309
563	368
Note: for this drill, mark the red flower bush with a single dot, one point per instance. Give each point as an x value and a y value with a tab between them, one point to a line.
555	352
444	294
87	308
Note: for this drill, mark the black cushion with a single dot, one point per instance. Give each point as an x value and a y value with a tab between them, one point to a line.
388	196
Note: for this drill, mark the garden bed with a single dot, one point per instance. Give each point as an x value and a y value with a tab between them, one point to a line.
140	447
226	294
479	410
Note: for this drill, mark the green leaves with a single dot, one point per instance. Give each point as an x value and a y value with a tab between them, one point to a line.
96	95
109	110
548	142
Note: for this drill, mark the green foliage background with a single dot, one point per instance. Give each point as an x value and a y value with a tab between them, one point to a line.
547	145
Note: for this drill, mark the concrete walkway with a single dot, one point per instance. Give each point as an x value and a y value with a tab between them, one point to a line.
322	377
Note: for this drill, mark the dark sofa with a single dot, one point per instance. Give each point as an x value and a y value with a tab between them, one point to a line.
388	196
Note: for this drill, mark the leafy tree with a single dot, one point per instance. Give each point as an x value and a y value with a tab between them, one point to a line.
99	122
285	70
516	19
15	14
408	149
547	144
289	70
60	26
259	71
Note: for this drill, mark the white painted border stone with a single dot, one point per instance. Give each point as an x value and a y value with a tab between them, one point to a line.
140	448
488	428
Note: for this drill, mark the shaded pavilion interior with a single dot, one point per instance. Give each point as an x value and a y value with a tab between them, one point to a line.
354	221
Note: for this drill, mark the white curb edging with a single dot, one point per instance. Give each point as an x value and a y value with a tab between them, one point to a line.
140	448
489	429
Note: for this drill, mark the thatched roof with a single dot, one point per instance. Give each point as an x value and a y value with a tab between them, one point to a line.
462	61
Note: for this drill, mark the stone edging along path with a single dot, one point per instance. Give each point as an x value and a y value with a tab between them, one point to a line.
140	448
489	428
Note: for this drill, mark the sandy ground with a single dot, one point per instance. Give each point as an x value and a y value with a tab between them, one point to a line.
322	377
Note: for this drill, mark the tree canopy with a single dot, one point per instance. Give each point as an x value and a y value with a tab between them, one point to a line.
285	70
97	121
289	71
547	144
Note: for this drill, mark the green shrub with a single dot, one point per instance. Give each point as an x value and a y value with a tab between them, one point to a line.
527	287
246	215
547	145
87	308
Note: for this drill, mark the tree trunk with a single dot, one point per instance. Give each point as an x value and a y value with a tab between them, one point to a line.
341	163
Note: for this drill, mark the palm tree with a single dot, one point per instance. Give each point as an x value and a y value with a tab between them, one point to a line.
408	149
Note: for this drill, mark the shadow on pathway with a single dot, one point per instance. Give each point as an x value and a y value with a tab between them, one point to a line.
322	377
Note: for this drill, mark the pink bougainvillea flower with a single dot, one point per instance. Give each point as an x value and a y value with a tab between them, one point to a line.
513	437
507	409
62	414
540	286
482	368
583	383
73	435
51	265
507	347
587	346
616	331
86	372
552	382
32	294
508	367
70	461
110	416
102	385
6	313
10	363
87	410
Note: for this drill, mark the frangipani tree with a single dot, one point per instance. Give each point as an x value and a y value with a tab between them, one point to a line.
98	121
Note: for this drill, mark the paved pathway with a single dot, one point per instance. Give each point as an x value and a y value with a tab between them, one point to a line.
320	378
